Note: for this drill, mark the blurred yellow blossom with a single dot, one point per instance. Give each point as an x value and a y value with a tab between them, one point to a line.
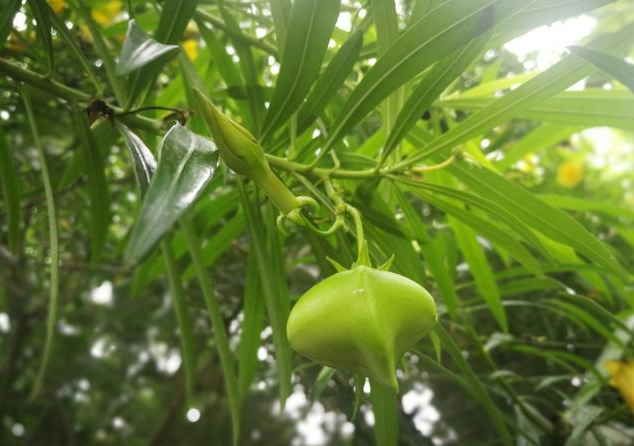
105	13
57	5
570	173
190	46
622	377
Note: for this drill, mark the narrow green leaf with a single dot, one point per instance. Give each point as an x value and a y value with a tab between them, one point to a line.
51	319
11	192
281	11
267	275
310	26
557	78
73	45
586	204
142	159
444	281
187	162
175	16
487	229
220	242
330	80
251	327
386	25
587	108
497	212
218	325
542	12
550	221
385	407
587	319
325	374
475	386
7	13
183	319
97	185
430	87
621	70
249	72
40	13
446	28
226	66
359	382
139	50
104	52
538	139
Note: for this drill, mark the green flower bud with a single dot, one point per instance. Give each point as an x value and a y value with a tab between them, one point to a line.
361	320
244	155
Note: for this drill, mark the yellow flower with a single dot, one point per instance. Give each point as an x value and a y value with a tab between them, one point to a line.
57	5
104	14
622	377
570	173
190	46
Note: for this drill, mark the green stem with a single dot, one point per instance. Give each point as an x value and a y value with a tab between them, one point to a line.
277	191
54	247
70	94
182	317
217	323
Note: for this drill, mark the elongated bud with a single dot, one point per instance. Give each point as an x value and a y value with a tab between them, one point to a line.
244	155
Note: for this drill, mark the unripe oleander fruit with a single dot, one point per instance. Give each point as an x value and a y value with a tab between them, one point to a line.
361	320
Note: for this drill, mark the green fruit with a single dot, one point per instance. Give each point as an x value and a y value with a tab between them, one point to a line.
361	320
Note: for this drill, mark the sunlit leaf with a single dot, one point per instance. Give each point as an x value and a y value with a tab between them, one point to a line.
618	68
310	25
139	49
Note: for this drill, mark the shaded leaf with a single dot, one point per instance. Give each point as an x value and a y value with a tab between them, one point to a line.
7	13
142	159
39	9
183	318
97	185
186	164
475	386
11	192
221	338
268	275
53	233
385	407
252	325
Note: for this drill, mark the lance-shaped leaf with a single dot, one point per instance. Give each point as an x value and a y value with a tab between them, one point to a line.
187	162
97	184
330	80
7	12
309	30
143	160
430	87
11	192
621	70
445	29
139	49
